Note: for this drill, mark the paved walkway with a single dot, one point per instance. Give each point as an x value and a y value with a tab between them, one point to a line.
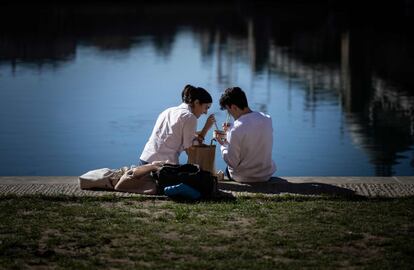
336	186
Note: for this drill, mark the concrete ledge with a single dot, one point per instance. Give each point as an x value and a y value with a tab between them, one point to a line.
291	179
352	179
38	180
342	180
324	186
404	179
335	186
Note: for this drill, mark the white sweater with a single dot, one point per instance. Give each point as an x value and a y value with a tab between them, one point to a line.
248	153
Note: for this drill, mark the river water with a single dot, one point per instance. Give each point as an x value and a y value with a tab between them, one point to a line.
82	86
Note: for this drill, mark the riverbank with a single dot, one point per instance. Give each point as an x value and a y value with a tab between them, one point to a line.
391	187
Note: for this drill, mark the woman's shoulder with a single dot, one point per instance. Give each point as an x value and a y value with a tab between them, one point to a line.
188	116
182	112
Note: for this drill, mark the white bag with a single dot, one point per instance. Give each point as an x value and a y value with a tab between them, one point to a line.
97	179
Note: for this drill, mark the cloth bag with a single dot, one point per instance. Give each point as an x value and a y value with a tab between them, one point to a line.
204	155
106	179
97	179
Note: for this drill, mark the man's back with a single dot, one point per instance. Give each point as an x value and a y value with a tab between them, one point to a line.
249	152
173	132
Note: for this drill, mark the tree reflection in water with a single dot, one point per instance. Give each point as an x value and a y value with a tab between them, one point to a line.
338	56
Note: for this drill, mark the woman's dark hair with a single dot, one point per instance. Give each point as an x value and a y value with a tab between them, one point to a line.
191	94
233	96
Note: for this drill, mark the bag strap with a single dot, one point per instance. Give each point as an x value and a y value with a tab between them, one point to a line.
195	139
211	142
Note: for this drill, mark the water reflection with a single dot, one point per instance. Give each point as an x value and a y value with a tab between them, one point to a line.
360	66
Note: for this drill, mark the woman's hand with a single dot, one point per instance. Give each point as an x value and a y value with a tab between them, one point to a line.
145	169
159	163
210	121
199	137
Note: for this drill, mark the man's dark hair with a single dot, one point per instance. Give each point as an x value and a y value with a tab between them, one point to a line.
233	96
191	94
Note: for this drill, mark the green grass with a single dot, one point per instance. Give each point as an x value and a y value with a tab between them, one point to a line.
256	233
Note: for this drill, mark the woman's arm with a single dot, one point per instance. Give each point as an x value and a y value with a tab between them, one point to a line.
209	123
132	180
146	169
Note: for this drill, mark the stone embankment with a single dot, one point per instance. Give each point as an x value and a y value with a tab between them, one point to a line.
336	186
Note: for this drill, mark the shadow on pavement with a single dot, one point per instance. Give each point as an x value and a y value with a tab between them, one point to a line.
278	185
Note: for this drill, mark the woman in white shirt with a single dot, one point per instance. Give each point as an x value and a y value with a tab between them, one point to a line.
175	128
174	132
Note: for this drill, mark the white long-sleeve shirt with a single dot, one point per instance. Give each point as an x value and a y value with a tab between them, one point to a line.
248	153
173	132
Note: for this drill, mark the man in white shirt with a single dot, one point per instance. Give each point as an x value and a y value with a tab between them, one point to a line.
247	148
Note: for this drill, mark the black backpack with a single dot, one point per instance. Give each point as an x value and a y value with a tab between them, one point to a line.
189	174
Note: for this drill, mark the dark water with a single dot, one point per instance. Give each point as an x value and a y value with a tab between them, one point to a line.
81	86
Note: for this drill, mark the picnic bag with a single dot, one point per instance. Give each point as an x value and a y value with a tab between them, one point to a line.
203	155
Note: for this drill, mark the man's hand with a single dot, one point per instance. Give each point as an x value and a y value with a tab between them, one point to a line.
220	137
226	127
223	142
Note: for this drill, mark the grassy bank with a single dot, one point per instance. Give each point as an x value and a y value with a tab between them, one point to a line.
259	233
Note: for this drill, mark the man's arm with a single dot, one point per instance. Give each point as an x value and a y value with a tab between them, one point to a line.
230	149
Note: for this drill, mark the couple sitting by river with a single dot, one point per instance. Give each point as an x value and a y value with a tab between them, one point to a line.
246	146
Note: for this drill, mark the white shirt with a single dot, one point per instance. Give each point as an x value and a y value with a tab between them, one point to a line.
173	132
248	153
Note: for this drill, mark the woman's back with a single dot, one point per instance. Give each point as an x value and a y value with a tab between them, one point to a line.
173	132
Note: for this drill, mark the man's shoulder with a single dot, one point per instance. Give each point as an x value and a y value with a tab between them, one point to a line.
253	118
263	119
262	115
252	124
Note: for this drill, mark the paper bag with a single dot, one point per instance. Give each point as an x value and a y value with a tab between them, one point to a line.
204	155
